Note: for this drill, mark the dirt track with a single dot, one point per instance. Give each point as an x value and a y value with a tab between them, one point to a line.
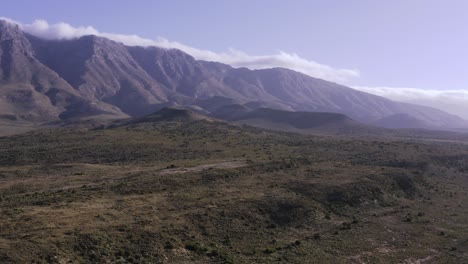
221	165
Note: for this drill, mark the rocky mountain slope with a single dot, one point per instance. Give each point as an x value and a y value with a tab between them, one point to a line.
29	90
49	80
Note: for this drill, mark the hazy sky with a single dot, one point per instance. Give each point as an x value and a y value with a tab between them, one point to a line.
412	45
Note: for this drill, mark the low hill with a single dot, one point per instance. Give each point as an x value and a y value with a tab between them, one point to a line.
167	114
174	114
299	122
231	112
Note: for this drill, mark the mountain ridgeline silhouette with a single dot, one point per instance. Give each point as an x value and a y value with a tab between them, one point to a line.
94	77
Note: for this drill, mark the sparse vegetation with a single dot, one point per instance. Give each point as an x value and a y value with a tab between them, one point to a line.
132	194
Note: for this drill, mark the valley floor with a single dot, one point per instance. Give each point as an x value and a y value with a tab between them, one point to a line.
216	193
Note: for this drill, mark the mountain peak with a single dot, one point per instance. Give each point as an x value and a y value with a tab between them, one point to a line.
9	31
97	40
5	23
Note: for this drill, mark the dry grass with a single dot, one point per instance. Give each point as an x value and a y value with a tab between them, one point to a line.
214	193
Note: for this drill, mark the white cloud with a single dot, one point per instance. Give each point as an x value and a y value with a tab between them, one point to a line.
42	29
236	58
451	101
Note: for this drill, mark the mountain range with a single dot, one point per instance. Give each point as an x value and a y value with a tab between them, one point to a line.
45	81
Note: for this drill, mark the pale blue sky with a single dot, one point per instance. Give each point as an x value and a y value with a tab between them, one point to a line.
398	43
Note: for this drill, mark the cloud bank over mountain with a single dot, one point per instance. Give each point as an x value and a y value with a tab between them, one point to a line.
451	101
236	58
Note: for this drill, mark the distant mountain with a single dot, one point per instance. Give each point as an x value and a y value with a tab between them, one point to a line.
89	77
104	70
31	91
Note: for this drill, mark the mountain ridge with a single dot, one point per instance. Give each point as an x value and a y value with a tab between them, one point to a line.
29	90
104	77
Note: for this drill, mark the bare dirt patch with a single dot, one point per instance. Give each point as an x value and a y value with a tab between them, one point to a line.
221	165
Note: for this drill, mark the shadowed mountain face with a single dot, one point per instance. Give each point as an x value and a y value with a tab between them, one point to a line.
48	80
29	90
103	70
